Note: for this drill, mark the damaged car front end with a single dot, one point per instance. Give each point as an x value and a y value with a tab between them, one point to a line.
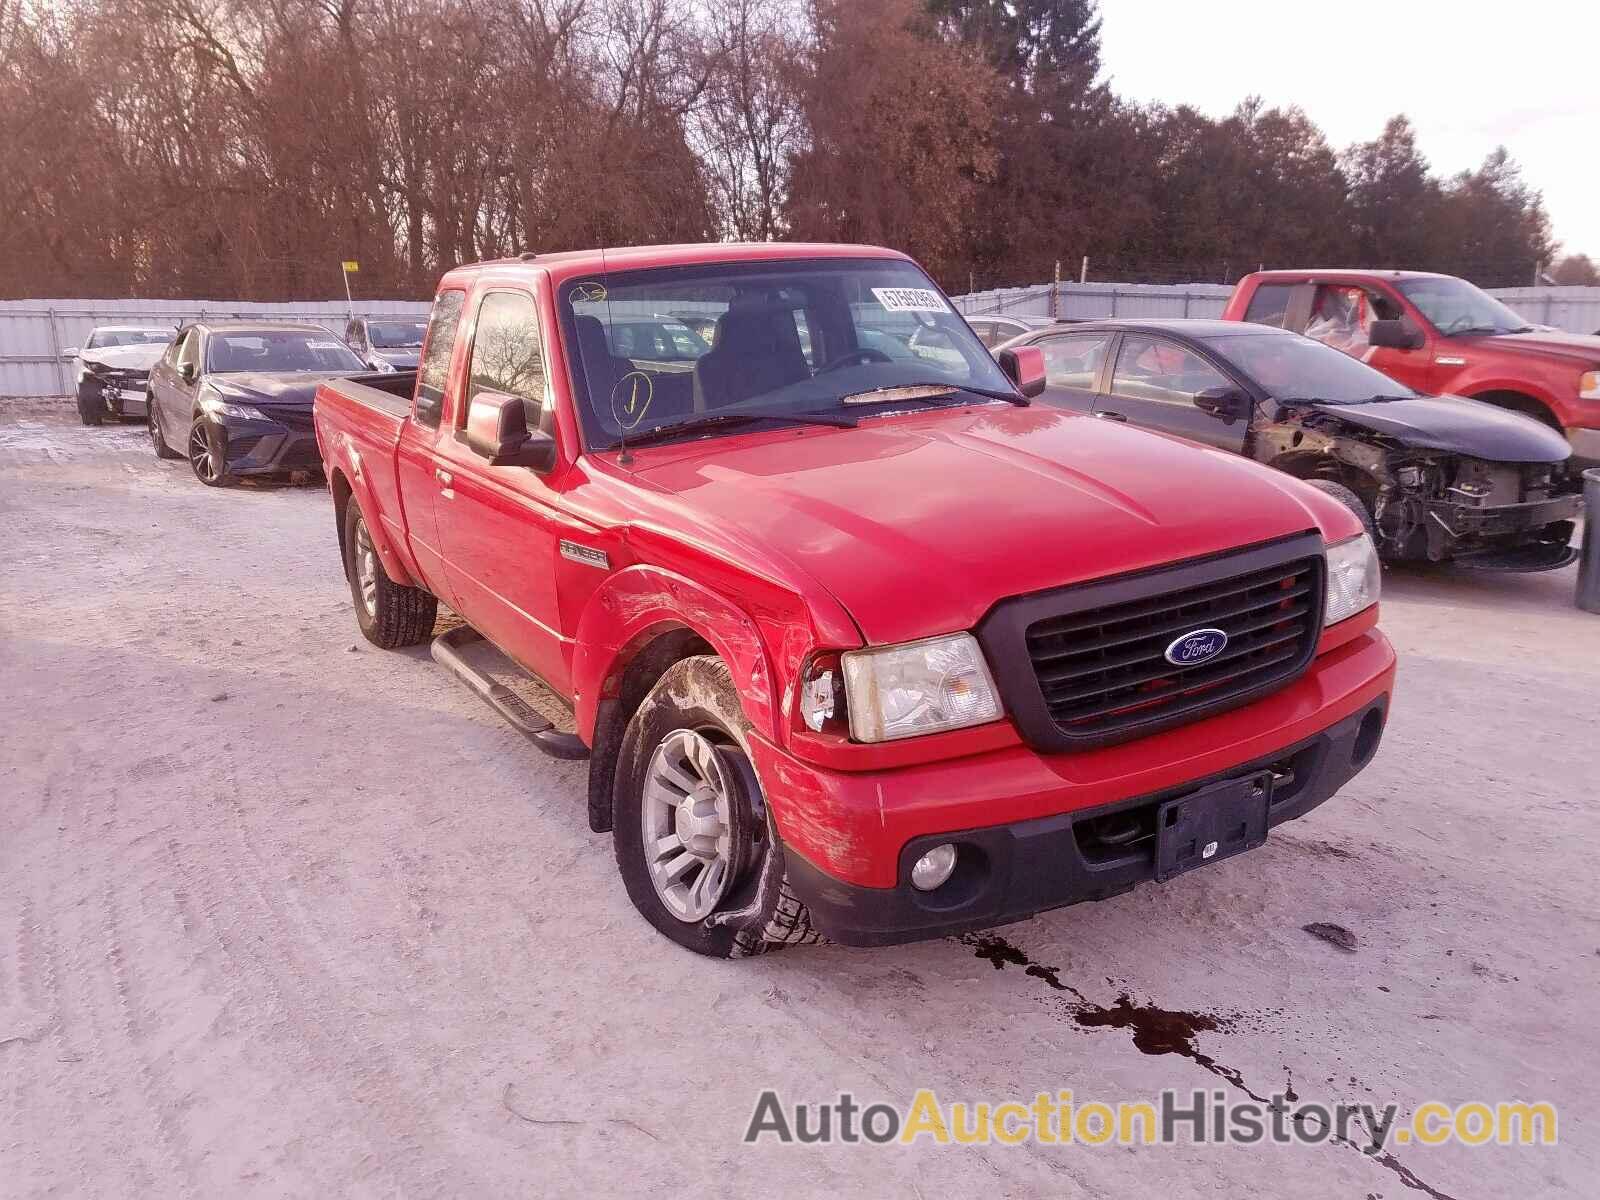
1444	478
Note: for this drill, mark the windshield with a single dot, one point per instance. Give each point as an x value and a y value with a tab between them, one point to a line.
771	339
1290	368
395	335
1456	306
102	338
279	350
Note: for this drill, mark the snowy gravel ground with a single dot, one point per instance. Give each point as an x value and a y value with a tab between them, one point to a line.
282	914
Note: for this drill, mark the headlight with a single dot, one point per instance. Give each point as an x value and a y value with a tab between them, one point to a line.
383	365
1353	578
921	687
239	412
1589	386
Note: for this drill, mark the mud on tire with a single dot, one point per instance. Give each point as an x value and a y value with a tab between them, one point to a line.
392	615
698	695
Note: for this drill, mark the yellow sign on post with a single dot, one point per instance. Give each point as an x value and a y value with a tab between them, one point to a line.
351	266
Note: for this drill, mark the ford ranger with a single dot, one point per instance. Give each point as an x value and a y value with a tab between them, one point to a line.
858	644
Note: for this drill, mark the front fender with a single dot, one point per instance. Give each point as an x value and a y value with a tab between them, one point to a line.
638	604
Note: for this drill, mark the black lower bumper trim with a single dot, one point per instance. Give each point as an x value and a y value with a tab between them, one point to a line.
1007	873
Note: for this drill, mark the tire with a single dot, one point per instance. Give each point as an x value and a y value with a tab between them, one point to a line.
390	614
91	406
157	439
201	459
694	710
1351	501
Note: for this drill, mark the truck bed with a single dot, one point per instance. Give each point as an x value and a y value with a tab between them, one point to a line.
387	391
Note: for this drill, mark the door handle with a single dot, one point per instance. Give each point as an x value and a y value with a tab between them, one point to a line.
445	480
1110	416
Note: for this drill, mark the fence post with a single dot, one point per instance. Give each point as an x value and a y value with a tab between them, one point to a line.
55	352
1114	295
1186	304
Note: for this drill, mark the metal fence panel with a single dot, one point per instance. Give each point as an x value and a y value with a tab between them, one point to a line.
34	333
1573	309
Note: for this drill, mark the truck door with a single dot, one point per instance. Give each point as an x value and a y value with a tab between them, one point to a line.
1154	384
501	525
1341	314
1073	363
416	465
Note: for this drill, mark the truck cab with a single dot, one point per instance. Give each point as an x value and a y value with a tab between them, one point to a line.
857	645
1438	334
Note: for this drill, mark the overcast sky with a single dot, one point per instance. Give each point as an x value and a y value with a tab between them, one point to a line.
1470	75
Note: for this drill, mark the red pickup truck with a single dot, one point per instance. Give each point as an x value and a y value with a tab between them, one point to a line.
857	641
1438	334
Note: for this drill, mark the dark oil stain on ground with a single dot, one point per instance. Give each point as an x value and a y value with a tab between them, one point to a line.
1161	1031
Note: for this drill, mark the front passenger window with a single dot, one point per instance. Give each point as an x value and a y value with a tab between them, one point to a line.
506	354
1153	369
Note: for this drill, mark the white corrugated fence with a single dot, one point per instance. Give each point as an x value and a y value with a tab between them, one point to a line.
34	333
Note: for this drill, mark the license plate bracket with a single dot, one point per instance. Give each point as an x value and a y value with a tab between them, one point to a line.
1212	824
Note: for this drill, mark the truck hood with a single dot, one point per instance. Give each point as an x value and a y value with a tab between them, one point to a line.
1458	426
919	524
264	388
1579	347
125	358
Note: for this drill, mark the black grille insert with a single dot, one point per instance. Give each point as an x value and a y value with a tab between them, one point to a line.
1093	666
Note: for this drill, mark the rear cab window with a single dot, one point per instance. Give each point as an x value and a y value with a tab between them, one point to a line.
1270	305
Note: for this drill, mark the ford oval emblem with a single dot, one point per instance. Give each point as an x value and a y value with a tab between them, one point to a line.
1196	647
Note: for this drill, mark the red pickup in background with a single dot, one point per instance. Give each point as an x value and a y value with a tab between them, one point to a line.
1438	334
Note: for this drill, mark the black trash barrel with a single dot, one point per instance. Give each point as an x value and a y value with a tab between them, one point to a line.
1589	562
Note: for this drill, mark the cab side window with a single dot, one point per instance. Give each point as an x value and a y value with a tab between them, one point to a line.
434	371
1073	360
1154	369
1270	305
506	354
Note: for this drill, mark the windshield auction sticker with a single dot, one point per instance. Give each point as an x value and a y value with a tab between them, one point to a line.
912	300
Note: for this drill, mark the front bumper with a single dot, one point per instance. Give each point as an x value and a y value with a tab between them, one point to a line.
264	447
850	838
1011	872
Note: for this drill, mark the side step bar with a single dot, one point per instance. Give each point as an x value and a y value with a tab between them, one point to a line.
516	711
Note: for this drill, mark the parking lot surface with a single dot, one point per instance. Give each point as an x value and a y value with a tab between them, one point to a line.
283	914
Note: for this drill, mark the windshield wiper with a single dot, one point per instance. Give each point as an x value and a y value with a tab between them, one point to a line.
931	391
1480	329
720	420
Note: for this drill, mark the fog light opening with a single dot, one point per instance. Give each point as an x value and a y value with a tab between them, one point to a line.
934	868
1367	737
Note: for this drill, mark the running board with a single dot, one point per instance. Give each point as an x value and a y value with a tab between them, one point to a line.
516	711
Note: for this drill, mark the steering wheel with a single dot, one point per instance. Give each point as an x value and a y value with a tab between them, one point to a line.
862	354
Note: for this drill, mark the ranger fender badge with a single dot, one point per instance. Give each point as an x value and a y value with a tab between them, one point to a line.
1195	647
587	555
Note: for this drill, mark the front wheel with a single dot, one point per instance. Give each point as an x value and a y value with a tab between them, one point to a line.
208	466
390	614
692	837
1350	500
91	405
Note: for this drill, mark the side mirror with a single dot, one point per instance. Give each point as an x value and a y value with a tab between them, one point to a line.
497	429
70	353
1224	402
187	372
1024	366
1395	335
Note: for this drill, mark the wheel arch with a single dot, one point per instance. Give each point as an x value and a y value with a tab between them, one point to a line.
1316	464
1523	402
641	621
